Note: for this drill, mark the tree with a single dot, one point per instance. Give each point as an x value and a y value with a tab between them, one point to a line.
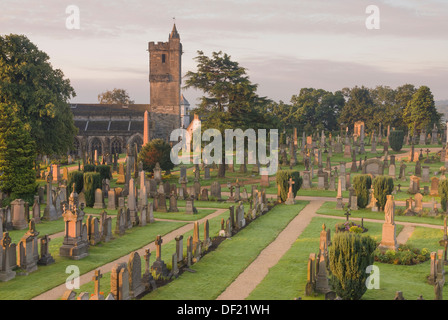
230	99
396	139
362	184
443	192
116	96
156	150
282	180
382	186
41	94
17	154
316	109
421	113
349	256
359	107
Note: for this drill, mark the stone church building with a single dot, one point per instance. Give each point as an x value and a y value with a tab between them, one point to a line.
110	129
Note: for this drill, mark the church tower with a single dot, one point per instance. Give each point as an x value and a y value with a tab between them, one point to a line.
165	77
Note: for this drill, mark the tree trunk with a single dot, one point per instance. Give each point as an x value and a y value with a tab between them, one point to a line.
222	167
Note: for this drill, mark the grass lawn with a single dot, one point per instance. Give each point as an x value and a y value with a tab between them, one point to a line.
411	280
47	277
181	215
45	227
217	270
287	279
329	208
168	249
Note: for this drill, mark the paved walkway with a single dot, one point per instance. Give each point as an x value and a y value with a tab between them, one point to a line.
58	291
259	268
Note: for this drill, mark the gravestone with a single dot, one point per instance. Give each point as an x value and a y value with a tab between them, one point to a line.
402	175
189	206
19	219
425	174
157	173
204	194
418	202
28	253
99	203
35	212
215	190
159	267
150	213
339	204
306	180
240	219
161	202
50	213
434	186
111	200
93	230
374	167
147	278
389	239
7	258
120	226
392	171
414	185
136	286
173	204
119	281
45	256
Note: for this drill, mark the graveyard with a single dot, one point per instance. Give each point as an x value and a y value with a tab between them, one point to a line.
177	240
334	196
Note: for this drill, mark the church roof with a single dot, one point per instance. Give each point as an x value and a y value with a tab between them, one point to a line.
93	109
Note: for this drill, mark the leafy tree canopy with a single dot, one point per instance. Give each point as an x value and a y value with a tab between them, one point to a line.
115	96
41	94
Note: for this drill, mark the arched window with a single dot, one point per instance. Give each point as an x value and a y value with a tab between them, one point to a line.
76	150
97	145
115	146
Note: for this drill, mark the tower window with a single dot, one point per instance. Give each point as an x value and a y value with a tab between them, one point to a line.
163	58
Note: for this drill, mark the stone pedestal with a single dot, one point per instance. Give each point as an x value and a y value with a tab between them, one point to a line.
389	239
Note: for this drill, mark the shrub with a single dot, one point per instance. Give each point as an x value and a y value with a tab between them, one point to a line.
282	180
347	227
89	168
443	192
356	229
76	177
396	139
104	171
156	150
405	255
349	256
92	181
382	186
362	184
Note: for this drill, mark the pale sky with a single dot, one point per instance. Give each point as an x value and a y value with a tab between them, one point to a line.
286	45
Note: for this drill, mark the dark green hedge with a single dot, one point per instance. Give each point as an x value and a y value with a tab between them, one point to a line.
396	139
382	186
92	181
349	256
76	177
362	184
282	179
